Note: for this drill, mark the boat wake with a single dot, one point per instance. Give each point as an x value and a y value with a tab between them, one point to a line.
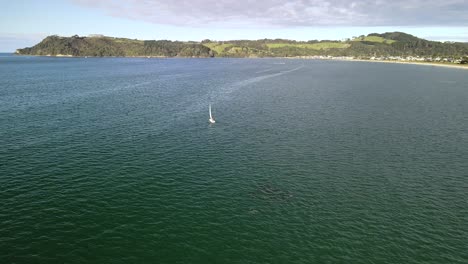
222	94
233	87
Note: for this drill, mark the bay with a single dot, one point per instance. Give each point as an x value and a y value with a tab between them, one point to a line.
112	160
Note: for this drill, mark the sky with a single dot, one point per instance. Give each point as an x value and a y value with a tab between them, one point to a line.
24	23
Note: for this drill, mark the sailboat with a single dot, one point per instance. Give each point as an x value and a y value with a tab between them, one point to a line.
212	121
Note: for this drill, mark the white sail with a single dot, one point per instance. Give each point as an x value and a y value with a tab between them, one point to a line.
211	117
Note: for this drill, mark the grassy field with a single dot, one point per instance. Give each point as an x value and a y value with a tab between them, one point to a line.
314	46
235	49
218	48
375	39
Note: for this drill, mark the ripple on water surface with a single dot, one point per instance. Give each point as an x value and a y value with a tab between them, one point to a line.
113	160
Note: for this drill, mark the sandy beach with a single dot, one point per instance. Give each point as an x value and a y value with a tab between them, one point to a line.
447	65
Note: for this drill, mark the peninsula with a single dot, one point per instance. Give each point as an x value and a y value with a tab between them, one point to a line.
394	46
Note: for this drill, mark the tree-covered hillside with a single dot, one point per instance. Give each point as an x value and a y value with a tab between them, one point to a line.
386	44
107	46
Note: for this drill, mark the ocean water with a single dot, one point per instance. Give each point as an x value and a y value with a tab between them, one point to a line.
112	160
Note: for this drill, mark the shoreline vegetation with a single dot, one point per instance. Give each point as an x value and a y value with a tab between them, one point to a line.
390	47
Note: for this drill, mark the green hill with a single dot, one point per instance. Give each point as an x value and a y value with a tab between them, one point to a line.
108	46
386	44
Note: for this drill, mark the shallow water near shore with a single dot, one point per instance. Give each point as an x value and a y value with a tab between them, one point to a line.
112	160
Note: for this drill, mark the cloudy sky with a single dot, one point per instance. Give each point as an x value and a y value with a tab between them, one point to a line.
25	22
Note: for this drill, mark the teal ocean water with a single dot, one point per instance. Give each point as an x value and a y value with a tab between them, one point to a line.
112	160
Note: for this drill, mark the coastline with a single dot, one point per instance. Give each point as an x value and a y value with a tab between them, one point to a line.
433	64
72	56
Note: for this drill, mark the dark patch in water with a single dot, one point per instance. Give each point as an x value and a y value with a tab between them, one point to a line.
270	192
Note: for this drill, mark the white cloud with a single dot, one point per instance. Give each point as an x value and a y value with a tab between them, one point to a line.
280	13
